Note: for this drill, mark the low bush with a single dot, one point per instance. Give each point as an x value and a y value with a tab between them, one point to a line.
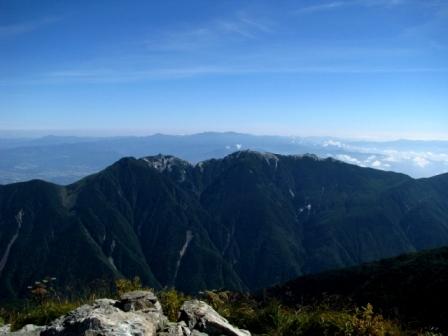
128	285
273	319
171	301
40	314
262	318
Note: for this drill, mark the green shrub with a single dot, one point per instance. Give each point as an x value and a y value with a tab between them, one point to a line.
171	301
273	319
262	318
366	322
240	309
311	321
430	332
278	320
41	314
126	285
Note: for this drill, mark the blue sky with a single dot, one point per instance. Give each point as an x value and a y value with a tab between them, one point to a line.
349	68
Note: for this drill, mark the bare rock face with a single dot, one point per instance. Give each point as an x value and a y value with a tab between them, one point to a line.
175	329
103	318
201	317
28	330
140	300
137	313
5	329
197	333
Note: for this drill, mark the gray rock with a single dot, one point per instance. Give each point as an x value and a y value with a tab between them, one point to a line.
137	313
175	329
198	333
5	329
201	317
28	330
103	318
143	300
186	331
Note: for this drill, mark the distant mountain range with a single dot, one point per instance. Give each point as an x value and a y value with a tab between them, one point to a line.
65	159
246	221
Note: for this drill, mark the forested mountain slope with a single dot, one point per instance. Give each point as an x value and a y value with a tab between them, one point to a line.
246	221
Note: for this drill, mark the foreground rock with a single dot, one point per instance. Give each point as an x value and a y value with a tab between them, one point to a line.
141	300
4	329
104	318
137	313
28	330
200	316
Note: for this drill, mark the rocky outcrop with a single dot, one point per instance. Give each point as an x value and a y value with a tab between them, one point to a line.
137	313
103	317
141	300
28	330
4	329
200	316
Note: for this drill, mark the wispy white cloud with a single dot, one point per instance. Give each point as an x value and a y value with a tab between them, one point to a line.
386	3
260	26
433	30
235	27
376	163
210	34
323	7
419	158
241	24
336	5
12	30
117	75
387	157
333	143
350	159
421	161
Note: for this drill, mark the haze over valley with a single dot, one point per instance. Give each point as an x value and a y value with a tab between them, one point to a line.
65	159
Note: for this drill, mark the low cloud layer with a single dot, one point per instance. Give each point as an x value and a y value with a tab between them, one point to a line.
429	159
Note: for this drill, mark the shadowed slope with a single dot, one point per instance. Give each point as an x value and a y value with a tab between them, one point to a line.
243	222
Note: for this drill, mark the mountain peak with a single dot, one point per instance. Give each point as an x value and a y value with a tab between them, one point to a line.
165	162
251	152
268	156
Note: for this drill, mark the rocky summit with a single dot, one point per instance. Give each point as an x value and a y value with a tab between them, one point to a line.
137	313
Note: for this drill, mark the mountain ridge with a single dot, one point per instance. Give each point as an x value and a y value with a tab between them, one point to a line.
65	160
217	223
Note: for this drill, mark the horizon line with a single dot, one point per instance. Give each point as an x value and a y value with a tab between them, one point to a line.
138	133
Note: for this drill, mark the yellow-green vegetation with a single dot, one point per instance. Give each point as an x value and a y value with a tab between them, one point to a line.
240	309
127	285
45	304
317	321
41	314
261	317
171	300
273	319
